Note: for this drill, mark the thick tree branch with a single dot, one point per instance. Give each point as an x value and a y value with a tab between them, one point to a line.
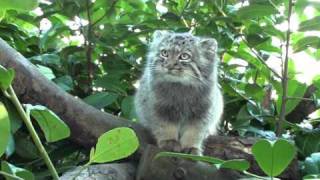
86	122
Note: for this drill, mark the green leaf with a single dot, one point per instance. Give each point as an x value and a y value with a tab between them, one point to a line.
308	141
47	59
305	42
16	171
310	25
25	5
2	14
47	72
255	11
115	144
207	159
273	158
4	129
312	176
127	107
296	89
7	77
64	82
312	164
236	164
52	126
101	99
243	118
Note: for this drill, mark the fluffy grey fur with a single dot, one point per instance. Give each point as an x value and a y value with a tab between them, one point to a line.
178	98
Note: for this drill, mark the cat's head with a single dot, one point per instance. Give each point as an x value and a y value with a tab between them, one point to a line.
181	57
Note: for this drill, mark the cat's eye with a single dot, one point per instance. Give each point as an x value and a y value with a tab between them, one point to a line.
164	53
184	56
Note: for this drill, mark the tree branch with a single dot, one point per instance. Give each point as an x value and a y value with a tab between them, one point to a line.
284	79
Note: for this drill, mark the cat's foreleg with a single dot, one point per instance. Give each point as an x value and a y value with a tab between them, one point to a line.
166	134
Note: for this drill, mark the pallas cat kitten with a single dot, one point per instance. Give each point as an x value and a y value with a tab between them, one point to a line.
178	98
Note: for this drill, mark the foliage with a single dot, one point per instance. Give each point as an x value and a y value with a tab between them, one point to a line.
271	156
312	164
19	172
95	50
52	126
4	128
235	164
115	144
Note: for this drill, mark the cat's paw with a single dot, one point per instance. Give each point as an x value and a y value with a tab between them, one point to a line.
170	145
191	150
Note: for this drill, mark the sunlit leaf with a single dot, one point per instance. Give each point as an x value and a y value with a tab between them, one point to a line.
310	25
4	129
7	76
255	11
305	42
271	157
115	144
52	126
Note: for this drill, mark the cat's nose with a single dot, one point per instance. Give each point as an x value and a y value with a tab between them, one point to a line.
171	65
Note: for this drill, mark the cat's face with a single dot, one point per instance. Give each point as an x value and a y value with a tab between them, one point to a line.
181	57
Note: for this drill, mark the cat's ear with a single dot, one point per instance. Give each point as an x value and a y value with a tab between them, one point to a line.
208	44
160	34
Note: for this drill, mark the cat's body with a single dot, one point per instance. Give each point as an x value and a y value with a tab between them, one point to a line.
178	98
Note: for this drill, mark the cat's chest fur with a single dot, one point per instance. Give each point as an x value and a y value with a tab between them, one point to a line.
179	102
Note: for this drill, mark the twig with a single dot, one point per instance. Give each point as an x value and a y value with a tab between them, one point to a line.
284	79
105	14
299	98
182	13
88	45
260	58
10	175
33	133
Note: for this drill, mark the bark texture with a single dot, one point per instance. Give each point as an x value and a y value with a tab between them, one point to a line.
87	123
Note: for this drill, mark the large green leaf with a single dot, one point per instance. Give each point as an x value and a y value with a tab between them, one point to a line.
7	77
101	99
25	5
16	171
273	157
296	90
115	144
307	141
4	129
305	42
235	164
310	25
255	11
52	126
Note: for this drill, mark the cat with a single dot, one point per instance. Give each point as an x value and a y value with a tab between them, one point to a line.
179	98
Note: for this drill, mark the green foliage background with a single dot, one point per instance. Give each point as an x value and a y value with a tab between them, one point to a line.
95	50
